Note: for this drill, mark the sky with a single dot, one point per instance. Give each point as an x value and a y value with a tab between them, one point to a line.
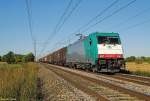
14	27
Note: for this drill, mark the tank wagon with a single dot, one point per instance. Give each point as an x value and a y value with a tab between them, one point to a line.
100	52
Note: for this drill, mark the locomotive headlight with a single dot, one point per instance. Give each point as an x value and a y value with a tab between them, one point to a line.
102	61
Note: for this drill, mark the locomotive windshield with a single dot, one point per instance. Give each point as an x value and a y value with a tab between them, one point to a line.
108	40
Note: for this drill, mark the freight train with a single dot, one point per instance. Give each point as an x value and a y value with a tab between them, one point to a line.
99	52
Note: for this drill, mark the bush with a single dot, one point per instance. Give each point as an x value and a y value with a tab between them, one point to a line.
148	61
131	59
28	58
9	58
18	58
139	61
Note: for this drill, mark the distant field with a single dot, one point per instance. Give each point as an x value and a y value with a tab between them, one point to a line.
18	82
139	69
131	66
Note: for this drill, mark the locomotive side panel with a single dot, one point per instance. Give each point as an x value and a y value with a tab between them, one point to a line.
76	53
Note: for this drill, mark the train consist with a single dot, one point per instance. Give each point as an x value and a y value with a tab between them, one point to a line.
99	52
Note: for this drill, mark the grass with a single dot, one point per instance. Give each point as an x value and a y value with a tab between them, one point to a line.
10	66
18	81
3	63
141	73
131	66
138	69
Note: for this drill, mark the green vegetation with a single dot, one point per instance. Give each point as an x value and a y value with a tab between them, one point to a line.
18	58
9	57
12	58
18	81
141	73
0	58
7	66
149	61
138	60
28	57
131	59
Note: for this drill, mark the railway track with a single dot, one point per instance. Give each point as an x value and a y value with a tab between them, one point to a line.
142	78
126	77
133	78
107	88
77	82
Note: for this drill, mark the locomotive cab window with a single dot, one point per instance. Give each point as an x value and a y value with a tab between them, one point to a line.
108	40
90	42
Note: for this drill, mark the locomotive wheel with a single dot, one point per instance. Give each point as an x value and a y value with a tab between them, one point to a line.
94	69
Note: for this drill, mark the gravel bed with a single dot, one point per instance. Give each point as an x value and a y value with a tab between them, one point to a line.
54	88
125	84
112	95
135	79
137	76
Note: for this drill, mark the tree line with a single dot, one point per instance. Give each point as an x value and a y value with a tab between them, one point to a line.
11	58
138	60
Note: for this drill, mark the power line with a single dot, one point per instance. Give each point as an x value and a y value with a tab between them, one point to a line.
98	15
108	16
56	30
138	24
130	18
95	17
70	13
29	13
64	20
62	17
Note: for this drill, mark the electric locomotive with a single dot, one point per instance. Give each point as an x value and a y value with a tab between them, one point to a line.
99	52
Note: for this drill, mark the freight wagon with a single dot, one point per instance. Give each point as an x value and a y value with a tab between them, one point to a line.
58	57
101	52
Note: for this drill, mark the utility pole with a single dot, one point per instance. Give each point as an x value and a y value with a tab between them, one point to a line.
34	50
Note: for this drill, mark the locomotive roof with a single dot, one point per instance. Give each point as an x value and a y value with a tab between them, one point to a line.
97	34
105	34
